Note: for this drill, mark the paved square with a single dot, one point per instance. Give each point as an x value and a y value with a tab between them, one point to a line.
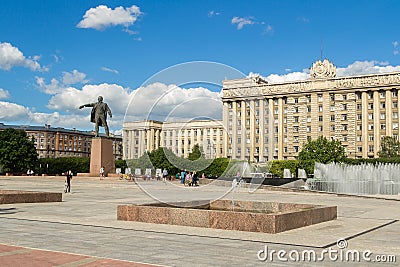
85	225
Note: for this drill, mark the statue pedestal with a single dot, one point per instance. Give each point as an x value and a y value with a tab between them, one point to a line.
101	155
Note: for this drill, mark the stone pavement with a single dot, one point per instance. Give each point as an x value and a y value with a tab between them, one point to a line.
83	230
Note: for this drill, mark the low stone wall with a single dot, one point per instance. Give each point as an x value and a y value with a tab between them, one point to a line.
266	217
17	196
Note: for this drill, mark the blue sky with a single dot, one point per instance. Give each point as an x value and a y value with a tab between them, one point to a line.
57	55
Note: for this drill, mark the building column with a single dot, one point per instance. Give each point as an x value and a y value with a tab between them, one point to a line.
364	124
243	130
225	127
261	135
252	131
388	113
280	128
377	126
233	136
271	135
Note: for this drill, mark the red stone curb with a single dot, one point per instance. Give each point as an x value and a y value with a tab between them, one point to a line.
20	256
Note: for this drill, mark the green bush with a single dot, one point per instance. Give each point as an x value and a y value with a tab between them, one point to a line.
278	166
61	165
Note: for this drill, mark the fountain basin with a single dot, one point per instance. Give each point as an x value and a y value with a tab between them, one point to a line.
266	217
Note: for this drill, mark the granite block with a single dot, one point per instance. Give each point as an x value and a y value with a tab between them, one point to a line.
266	217
18	196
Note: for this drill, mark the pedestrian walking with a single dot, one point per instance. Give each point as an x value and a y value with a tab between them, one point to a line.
101	173
68	179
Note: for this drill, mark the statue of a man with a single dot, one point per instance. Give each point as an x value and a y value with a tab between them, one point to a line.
99	114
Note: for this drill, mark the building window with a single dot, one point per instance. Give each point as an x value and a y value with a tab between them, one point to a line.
358	106
358	95
382	105
359	138
394	104
308	98
344	138
394	93
296	149
383	126
295	128
332	96
359	149
344	97
296	100
308	108
296	119
344	117
359	127
344	126
332	128
370	126
320	118
370	95
320	128
332	117
308	128
382	94
383	116
344	106
308	119
332	107
296	138
395	126
296	109
371	137
359	117
320	98
371	148
370	106
370	116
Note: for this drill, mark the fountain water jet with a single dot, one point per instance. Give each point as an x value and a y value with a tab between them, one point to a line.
364	179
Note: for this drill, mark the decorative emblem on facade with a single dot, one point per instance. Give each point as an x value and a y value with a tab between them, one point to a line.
322	70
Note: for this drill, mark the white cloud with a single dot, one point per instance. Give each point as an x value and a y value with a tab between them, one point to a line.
213	13
268	30
109	70
160	102
11	56
73	77
242	22
55	86
356	68
102	17
13	112
396	48
4	94
366	67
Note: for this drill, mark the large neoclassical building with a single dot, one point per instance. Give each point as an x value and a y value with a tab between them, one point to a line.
264	121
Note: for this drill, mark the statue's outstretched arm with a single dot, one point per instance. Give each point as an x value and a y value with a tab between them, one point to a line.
86	105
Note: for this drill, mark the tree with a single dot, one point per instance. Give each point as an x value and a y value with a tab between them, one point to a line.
196	153
390	147
320	150
17	152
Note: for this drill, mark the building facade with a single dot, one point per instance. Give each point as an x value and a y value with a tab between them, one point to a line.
265	121
273	121
58	142
180	137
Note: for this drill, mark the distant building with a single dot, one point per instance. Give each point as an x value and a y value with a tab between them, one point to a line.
58	142
180	137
